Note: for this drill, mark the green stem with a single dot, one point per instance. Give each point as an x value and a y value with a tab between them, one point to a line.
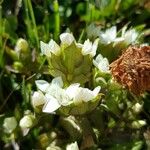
57	20
27	22
34	22
0	26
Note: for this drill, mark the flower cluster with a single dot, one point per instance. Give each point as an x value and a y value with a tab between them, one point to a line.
112	43
71	60
55	97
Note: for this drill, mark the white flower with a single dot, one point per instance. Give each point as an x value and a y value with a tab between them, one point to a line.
137	108
110	35
84	94
56	96
79	94
101	63
38	99
26	121
51	47
89	48
72	146
54	47
9	124
130	36
67	38
138	124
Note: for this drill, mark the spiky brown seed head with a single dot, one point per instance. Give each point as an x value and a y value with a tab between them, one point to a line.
132	69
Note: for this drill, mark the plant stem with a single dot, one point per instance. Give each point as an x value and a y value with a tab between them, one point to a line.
57	20
34	23
1	28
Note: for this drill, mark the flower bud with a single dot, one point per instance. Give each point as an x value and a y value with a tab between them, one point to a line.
66	38
9	124
51	48
26	121
22	46
138	124
72	146
137	108
101	63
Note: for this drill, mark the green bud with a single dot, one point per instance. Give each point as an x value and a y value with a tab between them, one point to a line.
9	124
17	65
22	46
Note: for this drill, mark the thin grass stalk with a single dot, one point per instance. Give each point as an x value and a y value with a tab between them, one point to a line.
56	19
34	22
1	28
27	22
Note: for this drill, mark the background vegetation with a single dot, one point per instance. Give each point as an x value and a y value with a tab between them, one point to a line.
42	20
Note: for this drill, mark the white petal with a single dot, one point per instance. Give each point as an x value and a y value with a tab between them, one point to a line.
108	36
58	81
96	91
45	49
87	47
83	94
130	36
72	90
67	38
101	63
53	90
42	85
111	33
94	47
63	98
72	146
79	45
51	105
38	99
54	47
119	39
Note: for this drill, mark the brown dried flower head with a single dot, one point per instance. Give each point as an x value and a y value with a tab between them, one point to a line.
132	69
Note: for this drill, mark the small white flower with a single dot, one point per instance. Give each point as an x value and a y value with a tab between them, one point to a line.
84	94
51	47
72	146
38	99
26	121
56	96
101	63
89	48
54	47
9	124
137	108
79	94
138	124
130	36
67	38
109	36
45	49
